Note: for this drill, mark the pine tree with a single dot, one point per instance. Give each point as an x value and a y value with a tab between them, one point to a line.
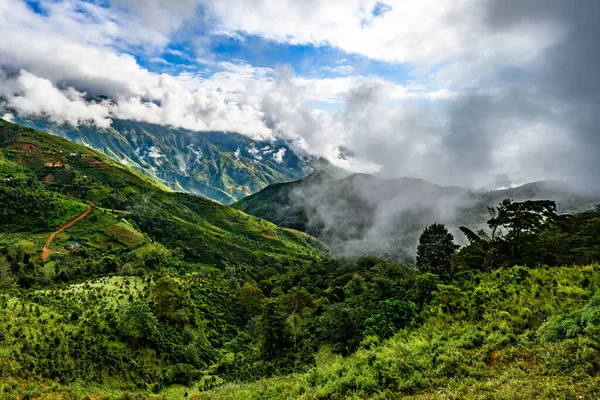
436	246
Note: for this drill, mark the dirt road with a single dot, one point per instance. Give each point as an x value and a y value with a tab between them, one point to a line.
46	251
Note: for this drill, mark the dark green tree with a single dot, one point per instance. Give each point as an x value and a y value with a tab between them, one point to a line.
520	219
250	300
271	328
392	316
137	322
436	246
171	302
339	326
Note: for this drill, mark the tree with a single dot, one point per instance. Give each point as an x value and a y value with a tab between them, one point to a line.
271	329
355	286
436	246
520	219
170	302
250	299
338	325
393	315
482	252
137	322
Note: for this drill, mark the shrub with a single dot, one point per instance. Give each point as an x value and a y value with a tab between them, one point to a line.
184	374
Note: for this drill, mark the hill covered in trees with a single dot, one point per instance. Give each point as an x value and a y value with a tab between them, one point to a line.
363	214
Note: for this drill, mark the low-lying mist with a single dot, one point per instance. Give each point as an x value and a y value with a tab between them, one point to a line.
363	214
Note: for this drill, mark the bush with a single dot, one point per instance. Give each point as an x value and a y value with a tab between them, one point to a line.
184	374
393	315
573	324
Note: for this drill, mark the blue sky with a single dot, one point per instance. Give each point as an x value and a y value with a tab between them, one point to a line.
308	60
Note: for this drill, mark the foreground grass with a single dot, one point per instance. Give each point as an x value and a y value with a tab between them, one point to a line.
508	334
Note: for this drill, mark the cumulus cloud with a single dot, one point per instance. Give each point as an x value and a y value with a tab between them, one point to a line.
545	127
499	92
428	31
32	95
162	15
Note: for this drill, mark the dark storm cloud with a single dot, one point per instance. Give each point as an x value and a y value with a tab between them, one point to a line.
563	97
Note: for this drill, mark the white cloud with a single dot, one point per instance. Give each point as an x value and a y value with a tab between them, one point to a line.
34	96
255	153
278	156
161	15
340	69
427	31
59	63
154	153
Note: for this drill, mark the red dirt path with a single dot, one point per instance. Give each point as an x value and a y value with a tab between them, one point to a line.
46	251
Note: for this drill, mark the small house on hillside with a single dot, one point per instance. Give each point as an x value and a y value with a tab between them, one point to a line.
73	246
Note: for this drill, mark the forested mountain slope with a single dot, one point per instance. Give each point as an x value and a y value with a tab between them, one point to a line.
48	180
163	295
223	166
364	214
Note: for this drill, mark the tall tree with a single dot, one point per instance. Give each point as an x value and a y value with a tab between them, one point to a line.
436	246
250	299
519	219
271	330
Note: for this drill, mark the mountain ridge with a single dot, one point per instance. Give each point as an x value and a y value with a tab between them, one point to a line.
364	213
222	166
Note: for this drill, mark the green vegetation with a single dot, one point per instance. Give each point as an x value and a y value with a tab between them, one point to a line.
482	335
130	205
164	295
436	246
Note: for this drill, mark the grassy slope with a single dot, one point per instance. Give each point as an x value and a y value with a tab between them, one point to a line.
486	342
495	340
211	232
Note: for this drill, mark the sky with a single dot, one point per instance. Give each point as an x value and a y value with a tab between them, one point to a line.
477	93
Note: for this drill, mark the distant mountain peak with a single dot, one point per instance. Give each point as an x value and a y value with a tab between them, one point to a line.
319	176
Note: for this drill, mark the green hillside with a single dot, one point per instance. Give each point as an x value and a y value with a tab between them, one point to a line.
65	175
513	333
156	294
81	303
218	165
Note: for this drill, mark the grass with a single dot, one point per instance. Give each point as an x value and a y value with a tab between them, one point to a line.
124	233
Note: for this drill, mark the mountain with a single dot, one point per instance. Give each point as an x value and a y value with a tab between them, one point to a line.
48	180
365	214
221	166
